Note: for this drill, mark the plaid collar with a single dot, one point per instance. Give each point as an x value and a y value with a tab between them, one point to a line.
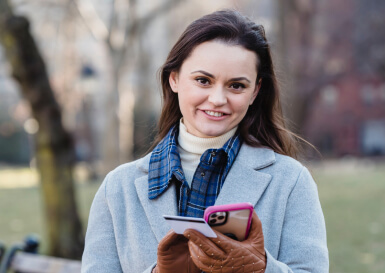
165	161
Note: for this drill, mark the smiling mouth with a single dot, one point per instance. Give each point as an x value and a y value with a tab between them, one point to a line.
214	114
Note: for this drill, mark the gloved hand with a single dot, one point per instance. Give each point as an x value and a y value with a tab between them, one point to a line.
223	254
174	255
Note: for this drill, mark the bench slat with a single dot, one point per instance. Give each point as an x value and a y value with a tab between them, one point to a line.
32	263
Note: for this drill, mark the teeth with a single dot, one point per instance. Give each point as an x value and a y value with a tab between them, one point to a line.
215	114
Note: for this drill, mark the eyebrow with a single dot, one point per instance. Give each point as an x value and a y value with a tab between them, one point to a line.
212	76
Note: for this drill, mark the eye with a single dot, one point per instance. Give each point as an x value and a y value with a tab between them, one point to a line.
237	86
203	81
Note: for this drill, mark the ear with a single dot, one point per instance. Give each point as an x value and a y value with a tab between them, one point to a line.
256	90
173	80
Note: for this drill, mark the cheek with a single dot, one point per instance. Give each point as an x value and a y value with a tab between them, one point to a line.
183	99
190	97
241	105
186	102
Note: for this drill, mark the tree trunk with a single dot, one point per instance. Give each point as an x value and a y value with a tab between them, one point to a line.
54	146
110	149
145	118
294	46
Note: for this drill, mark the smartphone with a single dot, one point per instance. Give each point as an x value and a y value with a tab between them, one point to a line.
232	220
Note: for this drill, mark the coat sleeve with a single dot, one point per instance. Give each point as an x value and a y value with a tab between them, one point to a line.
303	245
100	252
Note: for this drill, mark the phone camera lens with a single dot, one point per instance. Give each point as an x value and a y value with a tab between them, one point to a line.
213	221
221	217
213	215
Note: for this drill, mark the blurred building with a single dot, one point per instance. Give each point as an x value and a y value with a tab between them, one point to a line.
346	107
347	117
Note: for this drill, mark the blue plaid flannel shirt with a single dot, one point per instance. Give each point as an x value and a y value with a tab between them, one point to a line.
165	166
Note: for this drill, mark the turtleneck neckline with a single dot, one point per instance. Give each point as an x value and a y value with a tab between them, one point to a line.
198	145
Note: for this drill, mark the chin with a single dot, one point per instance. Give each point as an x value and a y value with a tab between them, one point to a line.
213	133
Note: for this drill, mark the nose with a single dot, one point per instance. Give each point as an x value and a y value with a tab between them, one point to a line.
217	96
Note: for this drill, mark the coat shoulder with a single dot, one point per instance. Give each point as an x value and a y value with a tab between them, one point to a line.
285	161
291	171
284	170
260	158
124	176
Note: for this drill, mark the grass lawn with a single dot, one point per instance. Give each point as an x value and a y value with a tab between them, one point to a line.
353	200
21	211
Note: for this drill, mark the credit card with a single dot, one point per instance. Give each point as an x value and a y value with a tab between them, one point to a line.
180	223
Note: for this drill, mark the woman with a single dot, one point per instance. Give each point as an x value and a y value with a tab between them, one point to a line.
221	140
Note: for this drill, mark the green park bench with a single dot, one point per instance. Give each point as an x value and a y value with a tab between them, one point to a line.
19	259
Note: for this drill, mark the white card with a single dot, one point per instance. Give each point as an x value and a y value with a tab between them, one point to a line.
180	223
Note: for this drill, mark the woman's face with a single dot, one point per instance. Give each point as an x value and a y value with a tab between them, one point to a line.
215	85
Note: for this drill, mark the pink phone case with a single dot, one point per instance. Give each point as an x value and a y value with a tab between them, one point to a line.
233	220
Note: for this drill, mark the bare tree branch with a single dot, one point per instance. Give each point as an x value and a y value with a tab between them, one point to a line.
113	20
146	20
104	33
92	20
140	24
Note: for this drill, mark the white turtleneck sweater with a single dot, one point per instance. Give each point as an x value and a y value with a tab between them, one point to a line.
191	148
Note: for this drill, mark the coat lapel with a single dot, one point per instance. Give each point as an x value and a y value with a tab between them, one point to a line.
165	204
244	183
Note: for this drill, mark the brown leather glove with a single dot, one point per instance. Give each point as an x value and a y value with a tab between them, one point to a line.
174	255
225	255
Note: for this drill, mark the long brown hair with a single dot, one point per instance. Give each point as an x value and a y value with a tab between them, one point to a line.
263	124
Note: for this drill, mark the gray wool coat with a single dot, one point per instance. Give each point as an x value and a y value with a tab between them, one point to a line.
125	227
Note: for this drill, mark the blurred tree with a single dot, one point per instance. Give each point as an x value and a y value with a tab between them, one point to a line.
118	36
369	37
54	146
295	36
322	41
145	119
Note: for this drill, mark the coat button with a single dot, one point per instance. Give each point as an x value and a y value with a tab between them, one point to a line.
213	153
202	174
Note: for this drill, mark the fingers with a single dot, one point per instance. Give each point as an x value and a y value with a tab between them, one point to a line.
168	240
199	257
205	244
221	237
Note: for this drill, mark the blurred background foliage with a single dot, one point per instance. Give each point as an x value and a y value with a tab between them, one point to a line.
102	58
